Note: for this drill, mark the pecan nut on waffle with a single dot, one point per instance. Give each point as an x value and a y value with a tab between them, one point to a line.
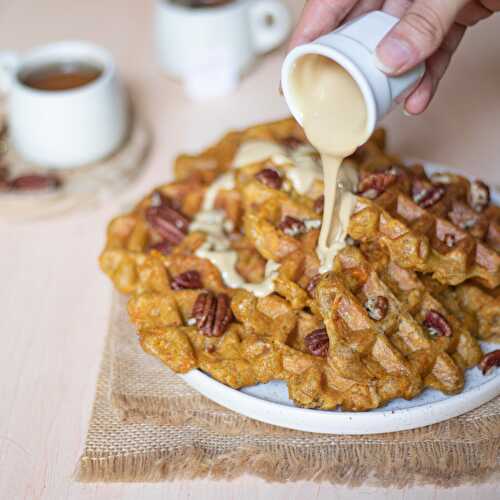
223	273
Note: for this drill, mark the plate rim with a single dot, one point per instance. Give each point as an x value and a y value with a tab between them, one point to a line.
342	422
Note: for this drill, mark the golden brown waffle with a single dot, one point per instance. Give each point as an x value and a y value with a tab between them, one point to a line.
427	239
388	320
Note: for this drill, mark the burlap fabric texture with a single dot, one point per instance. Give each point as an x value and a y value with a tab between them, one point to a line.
148	425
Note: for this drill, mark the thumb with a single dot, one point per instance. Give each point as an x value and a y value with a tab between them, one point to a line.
418	35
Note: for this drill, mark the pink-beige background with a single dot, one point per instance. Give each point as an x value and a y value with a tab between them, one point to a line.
54	304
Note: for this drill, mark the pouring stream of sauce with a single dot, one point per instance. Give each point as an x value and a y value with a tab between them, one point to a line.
334	119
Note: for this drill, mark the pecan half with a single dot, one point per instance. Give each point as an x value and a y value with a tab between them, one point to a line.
190	280
34	182
292	226
373	185
168	222
317	342
377	307
490	361
313	282
212	313
425	195
270	177
479	196
437	324
319	204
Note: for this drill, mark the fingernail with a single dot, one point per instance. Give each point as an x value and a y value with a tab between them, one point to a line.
406	113
393	54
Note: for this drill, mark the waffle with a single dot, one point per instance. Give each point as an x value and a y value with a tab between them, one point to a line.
400	311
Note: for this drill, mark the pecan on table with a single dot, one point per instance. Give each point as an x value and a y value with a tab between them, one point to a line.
212	313
374	184
437	324
317	342
270	177
35	182
426	195
171	224
190	280
490	361
377	307
292	226
479	196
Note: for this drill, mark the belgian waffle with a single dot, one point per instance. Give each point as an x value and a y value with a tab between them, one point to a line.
401	309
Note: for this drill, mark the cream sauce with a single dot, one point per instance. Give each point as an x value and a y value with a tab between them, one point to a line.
254	151
334	120
216	247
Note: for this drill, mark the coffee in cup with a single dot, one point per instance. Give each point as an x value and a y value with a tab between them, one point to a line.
60	76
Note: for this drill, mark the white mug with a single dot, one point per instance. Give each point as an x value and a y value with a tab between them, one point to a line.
210	48
353	46
64	128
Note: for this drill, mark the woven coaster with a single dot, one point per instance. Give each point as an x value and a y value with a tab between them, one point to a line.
171	432
83	187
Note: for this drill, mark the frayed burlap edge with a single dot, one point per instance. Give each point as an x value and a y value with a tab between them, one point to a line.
383	465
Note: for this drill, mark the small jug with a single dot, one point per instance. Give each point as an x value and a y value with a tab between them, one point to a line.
353	47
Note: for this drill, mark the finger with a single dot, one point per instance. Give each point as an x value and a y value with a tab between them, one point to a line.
492	5
418	35
396	8
472	13
437	65
364	7
319	17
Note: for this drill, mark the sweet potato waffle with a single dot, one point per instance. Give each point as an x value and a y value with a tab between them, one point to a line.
400	311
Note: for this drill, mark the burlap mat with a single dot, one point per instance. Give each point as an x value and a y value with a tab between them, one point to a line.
82	188
148	425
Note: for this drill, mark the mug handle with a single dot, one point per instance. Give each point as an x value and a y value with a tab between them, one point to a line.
9	62
270	23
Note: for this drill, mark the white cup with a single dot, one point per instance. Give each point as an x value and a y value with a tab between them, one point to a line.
64	128
210	48
353	47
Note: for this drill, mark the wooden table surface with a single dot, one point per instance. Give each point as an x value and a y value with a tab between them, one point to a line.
54	303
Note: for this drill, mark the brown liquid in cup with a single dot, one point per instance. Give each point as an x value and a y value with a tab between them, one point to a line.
61	76
196	4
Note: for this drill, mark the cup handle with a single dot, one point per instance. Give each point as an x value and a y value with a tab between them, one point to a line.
270	23
8	64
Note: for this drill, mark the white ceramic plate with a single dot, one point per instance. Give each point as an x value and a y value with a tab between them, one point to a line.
270	403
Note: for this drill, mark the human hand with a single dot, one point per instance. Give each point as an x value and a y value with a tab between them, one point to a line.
429	30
